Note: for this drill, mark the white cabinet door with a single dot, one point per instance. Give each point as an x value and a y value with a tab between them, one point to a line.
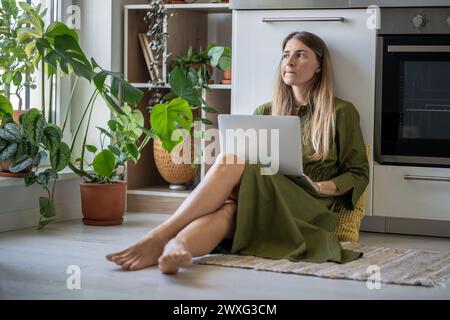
412	192
257	53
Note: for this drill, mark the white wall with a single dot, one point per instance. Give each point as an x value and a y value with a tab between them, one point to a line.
20	205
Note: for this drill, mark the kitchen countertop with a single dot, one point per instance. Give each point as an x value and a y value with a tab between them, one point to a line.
331	4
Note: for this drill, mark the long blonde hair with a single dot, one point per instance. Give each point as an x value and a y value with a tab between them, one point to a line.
320	131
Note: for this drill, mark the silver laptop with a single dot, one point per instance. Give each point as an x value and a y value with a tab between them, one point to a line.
274	142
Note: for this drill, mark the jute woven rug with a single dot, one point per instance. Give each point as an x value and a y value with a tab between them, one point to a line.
396	266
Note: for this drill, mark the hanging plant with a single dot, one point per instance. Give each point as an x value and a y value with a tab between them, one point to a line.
156	18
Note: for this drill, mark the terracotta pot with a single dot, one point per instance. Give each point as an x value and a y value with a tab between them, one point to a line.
172	172
103	204
17	114
227	76
4	172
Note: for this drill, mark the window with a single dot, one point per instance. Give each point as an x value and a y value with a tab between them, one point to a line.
28	97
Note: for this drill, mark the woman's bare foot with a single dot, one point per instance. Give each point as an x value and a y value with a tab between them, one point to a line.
175	256
142	254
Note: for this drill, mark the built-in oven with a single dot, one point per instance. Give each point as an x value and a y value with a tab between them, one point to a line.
412	123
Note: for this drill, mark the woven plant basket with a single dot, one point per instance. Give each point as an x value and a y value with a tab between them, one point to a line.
173	173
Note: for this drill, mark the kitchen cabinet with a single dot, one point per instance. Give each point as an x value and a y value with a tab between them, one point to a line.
257	41
412	192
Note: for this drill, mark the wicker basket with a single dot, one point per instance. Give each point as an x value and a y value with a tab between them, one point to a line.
173	173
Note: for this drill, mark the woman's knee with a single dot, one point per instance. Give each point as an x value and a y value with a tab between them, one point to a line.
229	163
229	158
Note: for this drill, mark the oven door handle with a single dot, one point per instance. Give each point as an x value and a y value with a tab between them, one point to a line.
427	178
303	19
395	48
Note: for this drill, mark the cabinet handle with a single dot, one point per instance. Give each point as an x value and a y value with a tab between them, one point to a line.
290	19
427	178
392	48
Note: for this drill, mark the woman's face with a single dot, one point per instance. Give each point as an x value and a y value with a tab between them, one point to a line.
299	64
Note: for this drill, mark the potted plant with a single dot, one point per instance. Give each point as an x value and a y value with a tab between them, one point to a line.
221	58
15	65
186	82
103	191
23	147
197	65
57	48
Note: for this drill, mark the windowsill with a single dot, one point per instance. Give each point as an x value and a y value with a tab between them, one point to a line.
65	174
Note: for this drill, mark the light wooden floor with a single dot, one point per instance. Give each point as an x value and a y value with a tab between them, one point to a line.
33	266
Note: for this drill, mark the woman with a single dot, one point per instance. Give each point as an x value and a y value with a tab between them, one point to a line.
240	211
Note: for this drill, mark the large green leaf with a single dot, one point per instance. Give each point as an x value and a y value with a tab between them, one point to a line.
7	150
52	137
59	29
129	94
5	106
225	63
34	124
32	17
104	163
166	118
133	151
215	53
39	158
11	133
21	164
46	207
68	55
184	87
26	148
7	118
60	158
44	178
30	179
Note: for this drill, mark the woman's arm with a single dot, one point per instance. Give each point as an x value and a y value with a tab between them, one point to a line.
328	188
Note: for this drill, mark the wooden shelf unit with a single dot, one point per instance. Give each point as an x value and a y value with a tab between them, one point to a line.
195	25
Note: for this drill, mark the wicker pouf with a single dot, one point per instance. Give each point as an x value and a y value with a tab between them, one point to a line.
178	175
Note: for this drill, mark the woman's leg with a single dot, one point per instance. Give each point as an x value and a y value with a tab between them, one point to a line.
198	238
217	186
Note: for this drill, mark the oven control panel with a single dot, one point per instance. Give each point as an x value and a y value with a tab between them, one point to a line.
414	21
419	21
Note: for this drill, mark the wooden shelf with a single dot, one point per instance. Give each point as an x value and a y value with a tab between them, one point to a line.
160	190
188	25
202	7
212	86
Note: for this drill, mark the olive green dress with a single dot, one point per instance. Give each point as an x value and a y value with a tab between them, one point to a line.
278	219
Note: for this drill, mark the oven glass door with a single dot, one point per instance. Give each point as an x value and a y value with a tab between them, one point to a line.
415	115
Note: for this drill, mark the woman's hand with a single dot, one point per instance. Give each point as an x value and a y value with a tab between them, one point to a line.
327	188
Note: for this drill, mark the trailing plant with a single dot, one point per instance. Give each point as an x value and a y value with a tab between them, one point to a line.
26	145
156	18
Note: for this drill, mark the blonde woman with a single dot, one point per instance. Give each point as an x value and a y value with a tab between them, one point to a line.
237	210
